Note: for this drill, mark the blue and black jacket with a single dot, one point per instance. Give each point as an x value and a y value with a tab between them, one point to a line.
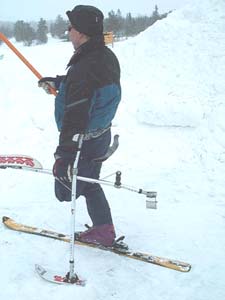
90	92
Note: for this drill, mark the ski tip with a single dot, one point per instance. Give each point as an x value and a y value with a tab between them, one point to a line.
53	277
188	268
5	219
18	161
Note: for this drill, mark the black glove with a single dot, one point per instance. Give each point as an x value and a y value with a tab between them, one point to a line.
63	165
62	169
50	82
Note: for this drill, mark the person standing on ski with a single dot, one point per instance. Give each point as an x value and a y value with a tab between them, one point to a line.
87	100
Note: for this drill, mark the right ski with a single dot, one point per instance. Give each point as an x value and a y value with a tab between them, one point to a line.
117	249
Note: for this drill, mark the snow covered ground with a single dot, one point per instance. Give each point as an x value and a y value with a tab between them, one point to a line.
171	126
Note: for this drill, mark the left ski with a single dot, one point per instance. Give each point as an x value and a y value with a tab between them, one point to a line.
145	257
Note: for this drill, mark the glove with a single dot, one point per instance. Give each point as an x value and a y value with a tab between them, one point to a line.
63	166
62	169
50	82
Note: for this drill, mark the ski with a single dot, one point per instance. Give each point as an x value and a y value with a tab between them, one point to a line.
118	248
52	276
18	161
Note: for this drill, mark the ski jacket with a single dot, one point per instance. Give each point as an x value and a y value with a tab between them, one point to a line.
91	91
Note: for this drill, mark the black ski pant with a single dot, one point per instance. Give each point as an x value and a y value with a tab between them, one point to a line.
97	204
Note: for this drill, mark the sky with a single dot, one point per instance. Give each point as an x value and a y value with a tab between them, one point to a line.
28	10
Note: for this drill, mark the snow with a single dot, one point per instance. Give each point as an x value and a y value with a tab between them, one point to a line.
171	126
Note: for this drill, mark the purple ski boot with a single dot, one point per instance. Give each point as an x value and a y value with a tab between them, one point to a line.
101	234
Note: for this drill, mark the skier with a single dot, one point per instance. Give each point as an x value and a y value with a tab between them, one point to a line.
87	100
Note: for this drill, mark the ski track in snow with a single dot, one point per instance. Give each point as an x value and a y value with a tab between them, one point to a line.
171	126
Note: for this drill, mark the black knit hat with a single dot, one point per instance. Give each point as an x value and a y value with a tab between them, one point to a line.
86	19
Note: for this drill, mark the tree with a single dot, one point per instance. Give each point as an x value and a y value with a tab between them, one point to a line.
115	23
129	25
19	31
23	32
6	29
41	34
59	28
30	35
155	15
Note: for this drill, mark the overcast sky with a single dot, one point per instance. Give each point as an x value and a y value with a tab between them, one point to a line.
28	10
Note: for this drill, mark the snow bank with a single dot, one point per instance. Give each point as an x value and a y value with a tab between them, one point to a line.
176	66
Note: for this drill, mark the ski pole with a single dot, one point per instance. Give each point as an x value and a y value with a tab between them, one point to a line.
72	277
24	60
151	201
27	163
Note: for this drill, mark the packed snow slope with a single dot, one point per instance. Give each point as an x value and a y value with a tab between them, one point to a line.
171	125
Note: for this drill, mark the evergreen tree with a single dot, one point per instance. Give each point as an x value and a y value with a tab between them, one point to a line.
59	27
30	35
115	23
142	22
19	31
155	13
23	32
155	16
41	34
129	27
6	30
